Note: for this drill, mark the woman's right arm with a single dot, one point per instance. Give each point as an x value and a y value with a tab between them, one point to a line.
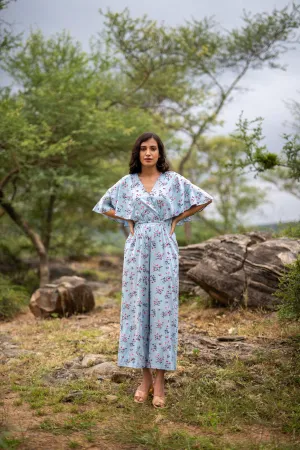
112	213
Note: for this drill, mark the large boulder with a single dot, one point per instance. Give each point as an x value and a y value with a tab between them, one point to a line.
237	268
64	297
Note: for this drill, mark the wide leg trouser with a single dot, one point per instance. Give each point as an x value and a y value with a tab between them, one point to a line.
149	307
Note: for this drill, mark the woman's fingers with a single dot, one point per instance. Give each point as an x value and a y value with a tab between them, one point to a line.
131	226
173	227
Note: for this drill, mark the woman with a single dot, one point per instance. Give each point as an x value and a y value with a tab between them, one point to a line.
151	200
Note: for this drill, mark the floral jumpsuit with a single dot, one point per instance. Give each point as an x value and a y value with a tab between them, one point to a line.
150	279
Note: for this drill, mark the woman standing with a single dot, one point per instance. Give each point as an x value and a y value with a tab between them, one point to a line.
151	200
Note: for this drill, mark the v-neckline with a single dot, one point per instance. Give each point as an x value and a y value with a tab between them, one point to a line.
149	192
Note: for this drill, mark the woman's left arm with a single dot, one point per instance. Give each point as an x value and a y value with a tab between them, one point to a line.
187	213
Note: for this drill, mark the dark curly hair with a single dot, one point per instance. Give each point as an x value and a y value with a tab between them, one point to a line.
135	164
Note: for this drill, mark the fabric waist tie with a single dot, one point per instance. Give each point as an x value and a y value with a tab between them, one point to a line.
165	223
146	223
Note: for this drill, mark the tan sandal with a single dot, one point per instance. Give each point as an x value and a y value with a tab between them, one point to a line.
158	402
143	394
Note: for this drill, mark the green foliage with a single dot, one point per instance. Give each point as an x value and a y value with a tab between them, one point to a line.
291	231
8	442
281	178
266	161
291	150
31	280
256	155
13	298
61	134
236	196
283	169
180	70
68	123
90	274
8	40
11	260
289	291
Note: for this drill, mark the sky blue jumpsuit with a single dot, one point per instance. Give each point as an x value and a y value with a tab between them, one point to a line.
150	279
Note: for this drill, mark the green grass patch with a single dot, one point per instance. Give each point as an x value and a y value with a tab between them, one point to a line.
80	422
265	393
13	298
8	442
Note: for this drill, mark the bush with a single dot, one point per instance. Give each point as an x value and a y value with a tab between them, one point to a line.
289	291
291	231
13	298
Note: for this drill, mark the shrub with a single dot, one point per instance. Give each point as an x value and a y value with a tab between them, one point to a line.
291	231
289	291
13	298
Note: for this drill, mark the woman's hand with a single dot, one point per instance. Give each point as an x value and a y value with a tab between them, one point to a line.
131	226
173	226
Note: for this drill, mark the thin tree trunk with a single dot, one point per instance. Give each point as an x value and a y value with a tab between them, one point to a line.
33	236
46	235
187	232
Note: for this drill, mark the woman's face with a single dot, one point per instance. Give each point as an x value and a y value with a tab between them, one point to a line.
149	153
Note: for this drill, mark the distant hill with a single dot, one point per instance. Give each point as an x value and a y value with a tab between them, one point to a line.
274	226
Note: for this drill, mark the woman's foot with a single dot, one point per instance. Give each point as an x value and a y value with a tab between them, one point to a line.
159	387
144	388
159	393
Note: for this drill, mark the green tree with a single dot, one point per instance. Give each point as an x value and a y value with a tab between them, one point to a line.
184	70
286	163
8	39
258	159
235	195
186	75
58	154
280	176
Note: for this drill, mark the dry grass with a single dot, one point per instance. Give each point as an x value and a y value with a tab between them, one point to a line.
240	404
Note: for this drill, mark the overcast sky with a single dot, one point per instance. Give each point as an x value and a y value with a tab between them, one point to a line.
268	88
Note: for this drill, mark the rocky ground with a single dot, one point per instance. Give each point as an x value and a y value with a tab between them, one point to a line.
235	385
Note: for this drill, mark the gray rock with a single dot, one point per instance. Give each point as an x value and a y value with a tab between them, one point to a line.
237	268
63	297
73	395
120	377
92	359
111	398
105	368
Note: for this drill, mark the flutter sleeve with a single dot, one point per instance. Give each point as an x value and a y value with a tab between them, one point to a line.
117	197
186	194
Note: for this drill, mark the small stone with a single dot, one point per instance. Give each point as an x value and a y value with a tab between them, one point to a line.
76	366
120	377
92	359
106	368
232	330
72	396
111	398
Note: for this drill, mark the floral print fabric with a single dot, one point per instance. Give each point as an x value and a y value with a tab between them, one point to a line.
150	279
